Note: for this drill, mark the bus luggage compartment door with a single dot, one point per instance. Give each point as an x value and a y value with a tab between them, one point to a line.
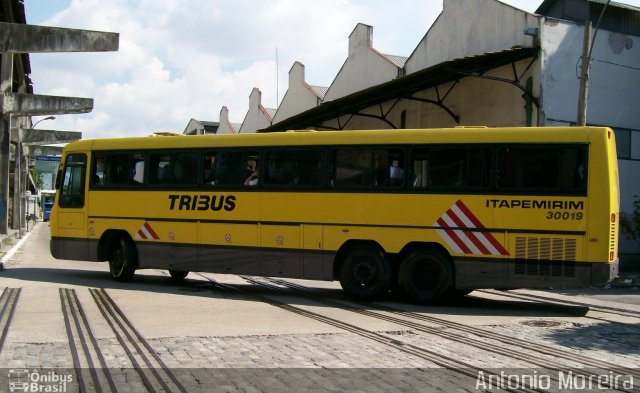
281	255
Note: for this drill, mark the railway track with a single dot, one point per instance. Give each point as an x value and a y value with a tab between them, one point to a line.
92	371
555	302
533	354
364	308
8	302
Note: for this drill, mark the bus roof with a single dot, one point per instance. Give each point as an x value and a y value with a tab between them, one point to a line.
356	137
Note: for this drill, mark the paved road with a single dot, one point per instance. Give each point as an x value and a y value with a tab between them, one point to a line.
69	321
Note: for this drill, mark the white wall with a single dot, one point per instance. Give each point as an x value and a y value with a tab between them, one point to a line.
225	126
364	67
466	28
299	97
256	117
614	98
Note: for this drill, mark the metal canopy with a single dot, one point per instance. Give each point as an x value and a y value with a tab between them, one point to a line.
405	87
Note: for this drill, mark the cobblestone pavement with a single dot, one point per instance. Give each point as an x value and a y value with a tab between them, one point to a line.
212	341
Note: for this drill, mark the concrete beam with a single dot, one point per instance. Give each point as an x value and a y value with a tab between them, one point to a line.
39	105
47	137
19	38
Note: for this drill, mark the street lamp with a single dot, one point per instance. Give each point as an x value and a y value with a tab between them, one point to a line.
41	120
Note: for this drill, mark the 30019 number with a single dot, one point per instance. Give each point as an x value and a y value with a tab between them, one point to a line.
575	216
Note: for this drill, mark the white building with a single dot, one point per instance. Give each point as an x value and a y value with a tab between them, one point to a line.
484	62
257	117
300	95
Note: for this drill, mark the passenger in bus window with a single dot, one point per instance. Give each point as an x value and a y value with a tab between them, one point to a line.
138	175
209	169
252	169
396	173
98	177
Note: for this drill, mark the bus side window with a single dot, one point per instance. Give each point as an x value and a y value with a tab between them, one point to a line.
252	169
309	168
419	167
116	169
97	179
352	167
506	167
137	169
548	168
229	169
209	169
185	170
138	172
279	167
388	168
159	169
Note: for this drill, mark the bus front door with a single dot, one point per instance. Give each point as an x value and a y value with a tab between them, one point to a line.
70	220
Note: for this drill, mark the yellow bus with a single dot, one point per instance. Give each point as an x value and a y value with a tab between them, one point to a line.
433	213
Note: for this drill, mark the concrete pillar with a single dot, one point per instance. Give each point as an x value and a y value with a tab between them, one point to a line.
6	77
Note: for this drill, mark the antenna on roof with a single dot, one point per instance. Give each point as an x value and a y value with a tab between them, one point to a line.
277	79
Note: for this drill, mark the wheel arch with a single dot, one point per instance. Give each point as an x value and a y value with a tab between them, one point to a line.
414	246
107	239
347	246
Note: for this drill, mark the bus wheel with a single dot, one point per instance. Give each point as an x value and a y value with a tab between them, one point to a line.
122	260
178	274
366	273
426	276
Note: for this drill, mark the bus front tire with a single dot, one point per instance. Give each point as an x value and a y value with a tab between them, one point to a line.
366	273
426	276
178	274
123	260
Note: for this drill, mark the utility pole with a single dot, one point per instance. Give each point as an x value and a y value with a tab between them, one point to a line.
587	51
584	76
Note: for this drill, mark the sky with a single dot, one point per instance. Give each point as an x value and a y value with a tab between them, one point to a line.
180	60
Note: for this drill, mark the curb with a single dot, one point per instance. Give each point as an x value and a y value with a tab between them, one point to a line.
628	280
9	254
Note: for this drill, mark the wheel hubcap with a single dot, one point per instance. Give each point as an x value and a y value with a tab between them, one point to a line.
426	276
364	271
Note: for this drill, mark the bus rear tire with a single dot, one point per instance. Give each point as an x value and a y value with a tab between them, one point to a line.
123	259
426	276
366	273
178	274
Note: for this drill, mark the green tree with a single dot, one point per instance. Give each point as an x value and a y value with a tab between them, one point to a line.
631	224
37	177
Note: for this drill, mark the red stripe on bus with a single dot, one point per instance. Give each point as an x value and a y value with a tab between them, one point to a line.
454	236
469	215
470	235
151	231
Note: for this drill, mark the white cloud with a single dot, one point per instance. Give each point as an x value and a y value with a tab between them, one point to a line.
186	59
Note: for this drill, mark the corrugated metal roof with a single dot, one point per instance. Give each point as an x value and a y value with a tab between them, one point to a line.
399	60
546	4
619	17
270	111
616	4
320	91
403	87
